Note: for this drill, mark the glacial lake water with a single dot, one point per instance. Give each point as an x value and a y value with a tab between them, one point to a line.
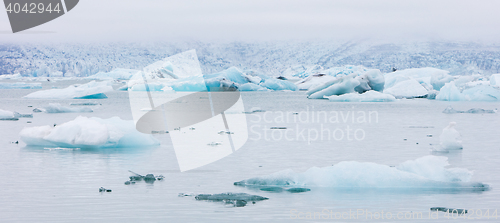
61	185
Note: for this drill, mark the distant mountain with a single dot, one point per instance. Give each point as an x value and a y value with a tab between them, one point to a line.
271	58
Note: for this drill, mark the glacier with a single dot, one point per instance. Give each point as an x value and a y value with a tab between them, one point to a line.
20	85
369	96
84	132
427	172
91	90
115	74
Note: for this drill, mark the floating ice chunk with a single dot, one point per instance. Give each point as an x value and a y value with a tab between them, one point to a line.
439	79
86	132
494	80
450	92
58	108
341	86
450	138
7	115
251	87
407	89
369	96
91	90
90	103
20	85
426	172
116	74
450	110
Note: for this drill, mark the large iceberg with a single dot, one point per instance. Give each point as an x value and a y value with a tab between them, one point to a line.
450	92
20	85
369	96
58	108
407	89
10	76
86	132
425	172
91	90
339	86
116	74
314	80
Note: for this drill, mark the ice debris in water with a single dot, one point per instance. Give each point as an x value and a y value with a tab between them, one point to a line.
149	178
235	199
427	172
84	132
91	90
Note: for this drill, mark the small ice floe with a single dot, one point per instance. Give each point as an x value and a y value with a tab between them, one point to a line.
192	128
214	143
149	178
254	110
222	132
278	127
37	110
450	110
450	210
159	132
450	139
233	199
186	195
282	189
102	189
93	103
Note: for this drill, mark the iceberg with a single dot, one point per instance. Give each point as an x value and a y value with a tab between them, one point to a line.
58	108
313	81
482	93
84	132
495	80
8	115
20	85
427	172
407	89
91	90
252	87
10	76
369	96
116	74
450	92
450	138
340	86
427	76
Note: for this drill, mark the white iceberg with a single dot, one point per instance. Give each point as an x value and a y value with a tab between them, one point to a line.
482	93
369	96
58	108
20	85
450	92
7	115
86	132
423	173
116	74
10	76
407	89
251	87
427	76
314	80
450	138
91	90
339	86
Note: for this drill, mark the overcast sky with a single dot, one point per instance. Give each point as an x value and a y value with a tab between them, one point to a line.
237	20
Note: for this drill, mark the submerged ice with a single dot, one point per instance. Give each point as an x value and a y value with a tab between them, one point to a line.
425	172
